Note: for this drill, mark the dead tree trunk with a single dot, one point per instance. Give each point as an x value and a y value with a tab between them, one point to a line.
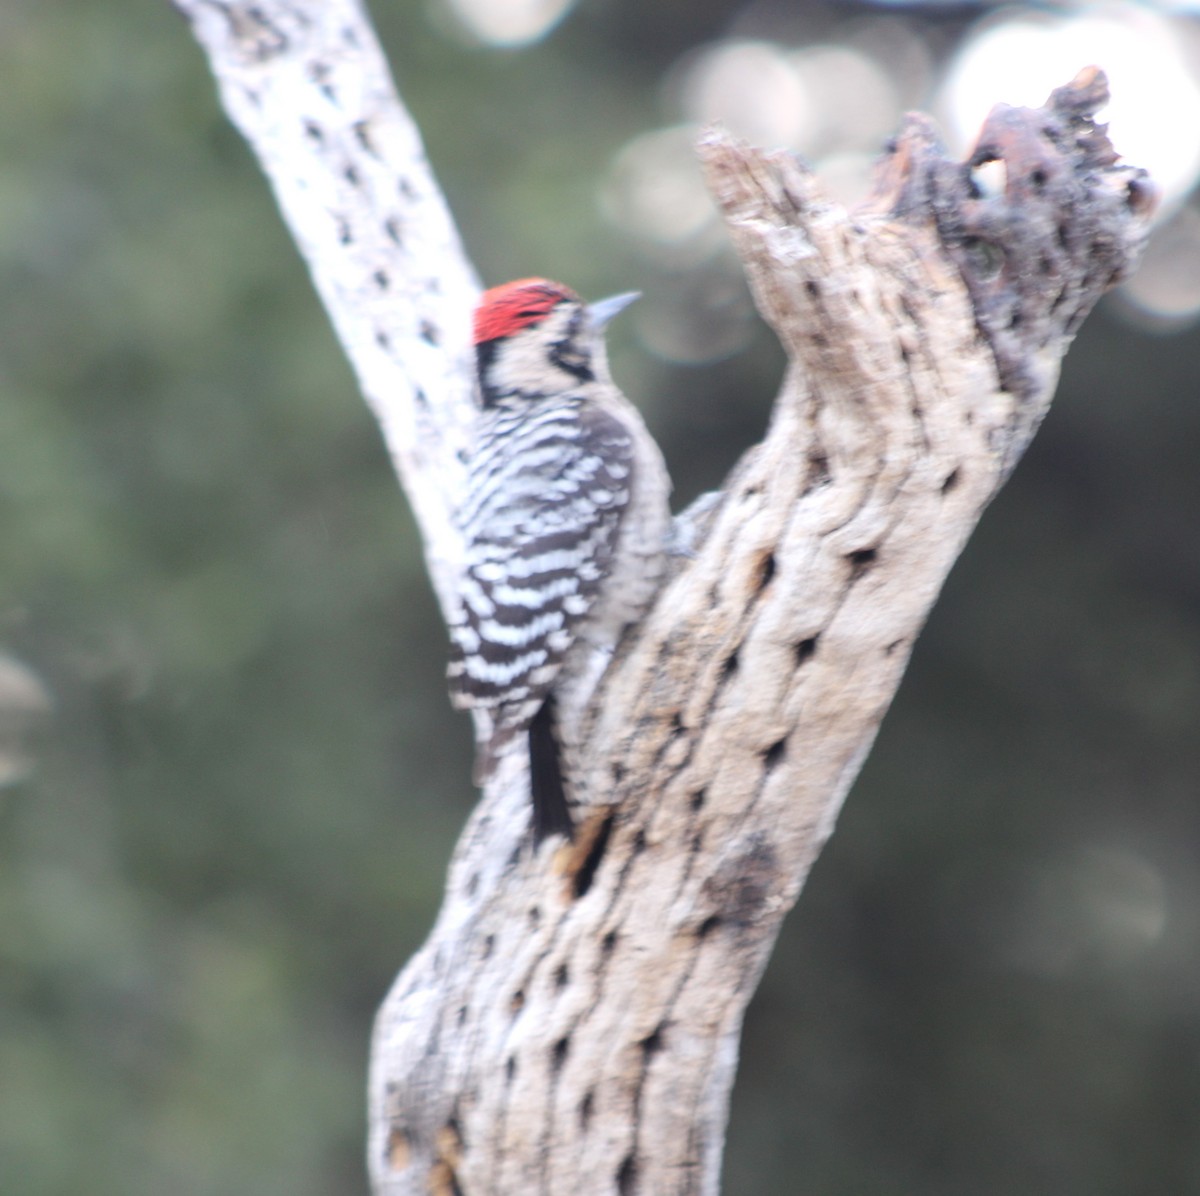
571	1025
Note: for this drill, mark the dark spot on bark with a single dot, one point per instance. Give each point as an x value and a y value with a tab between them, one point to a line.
1038	179
1141	196
697	800
591	861
429	333
382	339
775	754
860	561
627	1176
516	1002
312	130
729	667
891	648
708	926
805	650
1015	320
618	773
407	189
344	235
381	279
351	176
420	397
639	843
510	1069
535	917
983	258
1064	236
489	945
585	1109
463	456
608	943
813	288
559	1053
904	353
818	470
461	1016
362	134
744	882
562	976
765	570
950	481
472	885
653	1043
391	226
820	340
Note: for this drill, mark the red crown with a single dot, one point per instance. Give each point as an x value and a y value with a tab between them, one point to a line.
514	305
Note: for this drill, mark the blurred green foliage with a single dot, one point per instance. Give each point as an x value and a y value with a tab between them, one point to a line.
250	780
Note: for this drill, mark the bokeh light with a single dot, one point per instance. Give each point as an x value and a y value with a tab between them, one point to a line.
752	88
1164	294
508	22
858	104
1094	905
654	191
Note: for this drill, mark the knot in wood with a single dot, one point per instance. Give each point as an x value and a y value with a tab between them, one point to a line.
743	886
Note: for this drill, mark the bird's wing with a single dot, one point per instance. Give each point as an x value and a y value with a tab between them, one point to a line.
542	523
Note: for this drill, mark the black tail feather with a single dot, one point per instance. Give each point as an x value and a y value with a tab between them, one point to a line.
550	813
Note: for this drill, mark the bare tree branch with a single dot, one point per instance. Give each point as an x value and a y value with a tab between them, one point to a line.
571	1023
306	83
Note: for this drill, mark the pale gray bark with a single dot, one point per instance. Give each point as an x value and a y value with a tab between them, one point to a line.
571	1023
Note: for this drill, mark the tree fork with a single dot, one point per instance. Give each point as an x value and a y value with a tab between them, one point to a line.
571	1023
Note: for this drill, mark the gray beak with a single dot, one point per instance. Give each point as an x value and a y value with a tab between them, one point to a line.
603	310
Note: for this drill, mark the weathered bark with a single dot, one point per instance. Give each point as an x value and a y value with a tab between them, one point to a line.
571	1023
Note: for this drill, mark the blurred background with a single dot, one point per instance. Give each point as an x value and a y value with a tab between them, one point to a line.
230	779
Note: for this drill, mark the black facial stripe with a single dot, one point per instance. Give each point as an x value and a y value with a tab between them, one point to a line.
567	356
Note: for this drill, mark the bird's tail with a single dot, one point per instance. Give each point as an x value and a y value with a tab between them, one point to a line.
551	814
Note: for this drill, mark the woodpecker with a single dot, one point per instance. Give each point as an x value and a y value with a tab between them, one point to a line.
565	519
